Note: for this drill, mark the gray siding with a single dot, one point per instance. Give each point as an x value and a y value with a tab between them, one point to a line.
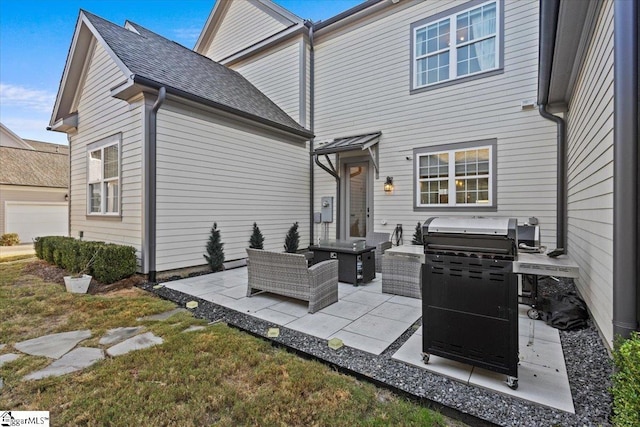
212	170
277	74
100	116
590	166
243	25
362	85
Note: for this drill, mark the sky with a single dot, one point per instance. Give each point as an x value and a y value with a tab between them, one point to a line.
35	36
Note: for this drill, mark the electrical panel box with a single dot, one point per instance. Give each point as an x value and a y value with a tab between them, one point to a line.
317	217
326	209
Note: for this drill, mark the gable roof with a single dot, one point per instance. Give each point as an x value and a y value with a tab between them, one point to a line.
151	60
10	139
36	168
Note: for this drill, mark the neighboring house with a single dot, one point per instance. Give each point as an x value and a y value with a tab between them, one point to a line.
271	113
589	72
34	187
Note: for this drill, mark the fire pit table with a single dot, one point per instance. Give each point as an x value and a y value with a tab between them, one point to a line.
356	261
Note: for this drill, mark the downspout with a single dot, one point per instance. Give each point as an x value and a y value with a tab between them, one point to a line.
548	26
626	253
150	171
561	178
311	117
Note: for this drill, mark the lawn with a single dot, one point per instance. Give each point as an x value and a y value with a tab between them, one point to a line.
215	376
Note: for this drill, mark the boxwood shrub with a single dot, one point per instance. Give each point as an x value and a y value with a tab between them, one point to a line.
626	382
107	263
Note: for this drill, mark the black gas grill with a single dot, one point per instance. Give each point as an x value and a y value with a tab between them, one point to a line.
470	293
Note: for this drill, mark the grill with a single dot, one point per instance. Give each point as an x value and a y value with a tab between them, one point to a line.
470	293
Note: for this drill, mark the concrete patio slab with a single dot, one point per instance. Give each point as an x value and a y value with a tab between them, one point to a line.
119	334
347	309
376	326
73	361
398	312
138	342
361	342
9	357
53	346
319	325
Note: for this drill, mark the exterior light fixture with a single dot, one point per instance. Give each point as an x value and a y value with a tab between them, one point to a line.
388	185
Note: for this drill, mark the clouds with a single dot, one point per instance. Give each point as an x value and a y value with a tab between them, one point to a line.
14	96
187	36
26	112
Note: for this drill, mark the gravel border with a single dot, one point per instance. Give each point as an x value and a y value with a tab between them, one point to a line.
589	368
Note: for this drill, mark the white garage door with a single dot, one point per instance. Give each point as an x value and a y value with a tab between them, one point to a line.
31	220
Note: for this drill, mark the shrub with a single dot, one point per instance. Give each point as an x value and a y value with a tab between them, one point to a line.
292	239
107	263
417	235
626	382
257	239
113	263
215	249
9	239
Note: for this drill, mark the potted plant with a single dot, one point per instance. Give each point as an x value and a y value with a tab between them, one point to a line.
79	281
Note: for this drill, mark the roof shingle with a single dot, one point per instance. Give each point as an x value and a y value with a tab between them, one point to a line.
33	168
152	57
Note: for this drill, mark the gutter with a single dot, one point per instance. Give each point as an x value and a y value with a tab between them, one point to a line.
311	125
548	27
187	95
626	227
150	184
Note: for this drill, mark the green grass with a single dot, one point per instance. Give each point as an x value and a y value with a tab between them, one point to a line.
217	376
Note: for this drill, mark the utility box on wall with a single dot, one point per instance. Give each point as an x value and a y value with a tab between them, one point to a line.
326	209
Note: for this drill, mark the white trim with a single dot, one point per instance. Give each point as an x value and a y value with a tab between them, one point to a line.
452	48
100	146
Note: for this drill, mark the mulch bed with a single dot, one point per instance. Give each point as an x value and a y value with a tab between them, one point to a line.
53	274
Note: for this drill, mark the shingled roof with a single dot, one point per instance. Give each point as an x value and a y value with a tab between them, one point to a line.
33	167
154	60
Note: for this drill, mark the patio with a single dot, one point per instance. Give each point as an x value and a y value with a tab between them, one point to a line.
366	319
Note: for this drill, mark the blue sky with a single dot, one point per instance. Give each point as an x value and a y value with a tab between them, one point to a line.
35	36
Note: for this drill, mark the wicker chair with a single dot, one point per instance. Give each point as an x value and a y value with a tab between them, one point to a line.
382	242
287	274
402	276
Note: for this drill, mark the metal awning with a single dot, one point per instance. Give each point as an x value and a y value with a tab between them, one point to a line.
351	143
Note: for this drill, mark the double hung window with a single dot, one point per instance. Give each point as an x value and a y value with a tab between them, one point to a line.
103	177
455	177
461	44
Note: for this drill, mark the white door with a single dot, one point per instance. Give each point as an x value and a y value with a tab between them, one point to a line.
36	219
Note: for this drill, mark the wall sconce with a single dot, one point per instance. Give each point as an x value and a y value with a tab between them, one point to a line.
66	197
388	185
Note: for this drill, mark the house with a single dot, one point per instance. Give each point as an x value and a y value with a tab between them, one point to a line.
385	115
589	74
34	178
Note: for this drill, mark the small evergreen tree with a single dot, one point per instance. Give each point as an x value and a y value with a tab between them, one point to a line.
292	240
417	236
215	252
257	239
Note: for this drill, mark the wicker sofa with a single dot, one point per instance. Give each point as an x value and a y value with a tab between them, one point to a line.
288	274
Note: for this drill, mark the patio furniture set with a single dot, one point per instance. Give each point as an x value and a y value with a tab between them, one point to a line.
354	262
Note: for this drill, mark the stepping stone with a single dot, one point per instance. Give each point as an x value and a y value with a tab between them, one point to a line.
136	343
163	316
119	334
194	328
73	361
6	358
53	346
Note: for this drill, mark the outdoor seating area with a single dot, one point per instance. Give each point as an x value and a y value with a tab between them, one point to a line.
366	319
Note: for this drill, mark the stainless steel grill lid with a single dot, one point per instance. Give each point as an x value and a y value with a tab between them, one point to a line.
469	225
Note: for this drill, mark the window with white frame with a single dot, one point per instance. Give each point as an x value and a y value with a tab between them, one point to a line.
457	177
103	177
462	44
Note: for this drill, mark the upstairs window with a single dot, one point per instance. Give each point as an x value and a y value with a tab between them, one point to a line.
463	176
461	44
103	177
